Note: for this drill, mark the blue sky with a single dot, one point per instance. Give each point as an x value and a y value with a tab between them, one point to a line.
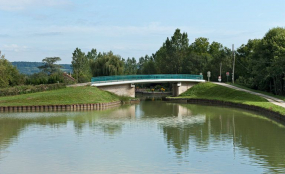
34	29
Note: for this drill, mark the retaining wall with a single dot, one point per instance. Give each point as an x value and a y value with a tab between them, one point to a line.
74	107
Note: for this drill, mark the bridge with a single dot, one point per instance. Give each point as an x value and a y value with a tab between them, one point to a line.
125	84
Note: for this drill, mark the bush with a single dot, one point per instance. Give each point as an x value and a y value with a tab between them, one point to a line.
247	82
25	89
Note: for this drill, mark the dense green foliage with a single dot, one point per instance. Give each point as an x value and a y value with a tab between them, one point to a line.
25	89
43	78
170	56
176	56
262	62
70	95
146	65
130	66
80	66
9	75
216	92
50	73
96	64
107	64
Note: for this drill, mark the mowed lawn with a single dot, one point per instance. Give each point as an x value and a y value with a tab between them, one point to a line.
216	92
70	95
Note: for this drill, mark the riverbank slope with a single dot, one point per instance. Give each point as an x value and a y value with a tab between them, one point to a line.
210	91
66	96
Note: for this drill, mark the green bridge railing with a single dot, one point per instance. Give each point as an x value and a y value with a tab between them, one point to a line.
105	79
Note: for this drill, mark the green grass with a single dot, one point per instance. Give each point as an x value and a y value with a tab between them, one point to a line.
258	91
70	95
216	92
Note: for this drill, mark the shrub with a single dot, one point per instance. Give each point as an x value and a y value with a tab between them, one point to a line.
25	89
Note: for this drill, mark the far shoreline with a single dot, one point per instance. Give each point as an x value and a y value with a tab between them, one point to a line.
271	114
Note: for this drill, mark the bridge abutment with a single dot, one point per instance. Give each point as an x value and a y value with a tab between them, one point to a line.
180	87
122	89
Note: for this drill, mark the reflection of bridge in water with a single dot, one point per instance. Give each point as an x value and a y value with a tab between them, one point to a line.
125	85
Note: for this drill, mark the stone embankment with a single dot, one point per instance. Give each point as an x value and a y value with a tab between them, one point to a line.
73	107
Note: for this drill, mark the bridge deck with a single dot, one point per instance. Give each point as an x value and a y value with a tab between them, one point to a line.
113	80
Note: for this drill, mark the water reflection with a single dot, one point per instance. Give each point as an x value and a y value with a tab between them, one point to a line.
187	129
249	133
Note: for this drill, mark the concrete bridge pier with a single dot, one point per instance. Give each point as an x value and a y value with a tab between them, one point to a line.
121	89
180	87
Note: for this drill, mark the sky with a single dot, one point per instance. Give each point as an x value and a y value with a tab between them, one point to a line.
31	30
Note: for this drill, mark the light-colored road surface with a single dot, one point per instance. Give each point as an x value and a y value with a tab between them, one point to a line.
80	84
273	100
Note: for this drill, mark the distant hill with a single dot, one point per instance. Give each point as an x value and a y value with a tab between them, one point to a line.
32	67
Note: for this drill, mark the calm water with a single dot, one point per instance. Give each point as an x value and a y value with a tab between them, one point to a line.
150	137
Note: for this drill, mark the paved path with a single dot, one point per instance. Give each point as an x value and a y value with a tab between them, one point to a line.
273	100
80	84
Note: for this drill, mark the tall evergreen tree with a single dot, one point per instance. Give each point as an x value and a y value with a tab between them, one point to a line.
80	65
169	57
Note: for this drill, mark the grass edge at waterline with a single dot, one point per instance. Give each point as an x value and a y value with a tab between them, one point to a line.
210	91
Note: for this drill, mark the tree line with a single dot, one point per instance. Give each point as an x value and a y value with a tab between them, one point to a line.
259	63
175	56
50	73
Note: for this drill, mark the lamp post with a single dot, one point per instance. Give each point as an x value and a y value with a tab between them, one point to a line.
233	75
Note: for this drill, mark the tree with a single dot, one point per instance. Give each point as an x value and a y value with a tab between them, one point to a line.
221	57
246	61
107	64
200	46
130	66
80	65
92	55
37	79
169	58
272	54
140	65
200	51
264	61
9	75
49	65
194	64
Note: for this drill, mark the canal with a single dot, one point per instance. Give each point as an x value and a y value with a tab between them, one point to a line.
150	137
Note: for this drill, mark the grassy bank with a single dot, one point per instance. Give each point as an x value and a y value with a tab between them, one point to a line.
71	95
216	92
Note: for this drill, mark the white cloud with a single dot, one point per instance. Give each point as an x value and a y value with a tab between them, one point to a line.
119	31
14	5
14	48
